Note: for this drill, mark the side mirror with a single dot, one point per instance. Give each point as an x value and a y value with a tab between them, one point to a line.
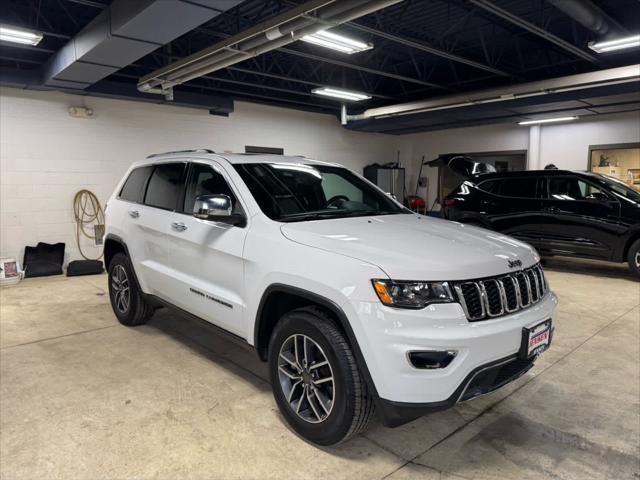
217	208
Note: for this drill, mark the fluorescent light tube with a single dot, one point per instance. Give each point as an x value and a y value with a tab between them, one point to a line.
337	42
612	45
341	94
547	120
19	35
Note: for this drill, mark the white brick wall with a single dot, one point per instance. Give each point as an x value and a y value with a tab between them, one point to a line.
46	156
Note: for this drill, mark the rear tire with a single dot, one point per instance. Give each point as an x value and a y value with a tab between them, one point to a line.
322	411
633	257
126	300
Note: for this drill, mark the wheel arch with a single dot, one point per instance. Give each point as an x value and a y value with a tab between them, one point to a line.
113	244
278	299
634	237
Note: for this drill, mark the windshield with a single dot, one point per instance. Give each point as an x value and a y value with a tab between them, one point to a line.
620	188
296	192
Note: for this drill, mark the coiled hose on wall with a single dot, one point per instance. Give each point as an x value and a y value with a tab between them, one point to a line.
89	214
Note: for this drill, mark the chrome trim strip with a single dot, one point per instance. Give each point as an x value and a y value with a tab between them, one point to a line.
521	279
516	290
503	295
486	296
533	281
482	298
538	283
543	280
463	302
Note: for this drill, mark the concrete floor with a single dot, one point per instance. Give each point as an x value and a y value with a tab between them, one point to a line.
85	398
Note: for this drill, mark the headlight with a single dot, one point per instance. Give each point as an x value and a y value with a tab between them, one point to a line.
412	294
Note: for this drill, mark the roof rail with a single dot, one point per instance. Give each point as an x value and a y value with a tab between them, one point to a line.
199	150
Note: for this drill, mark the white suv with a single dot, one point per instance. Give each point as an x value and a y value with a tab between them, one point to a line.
356	302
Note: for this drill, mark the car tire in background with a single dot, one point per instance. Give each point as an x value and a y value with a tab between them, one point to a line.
633	257
315	378
126	299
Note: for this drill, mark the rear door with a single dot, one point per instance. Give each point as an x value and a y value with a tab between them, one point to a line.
206	257
579	218
127	214
512	206
160	201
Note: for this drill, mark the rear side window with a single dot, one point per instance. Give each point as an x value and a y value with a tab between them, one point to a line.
133	188
164	186
518	187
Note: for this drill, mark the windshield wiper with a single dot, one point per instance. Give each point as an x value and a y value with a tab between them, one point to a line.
296	217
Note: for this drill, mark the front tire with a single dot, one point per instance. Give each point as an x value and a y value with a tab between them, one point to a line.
633	257
315	379
126	300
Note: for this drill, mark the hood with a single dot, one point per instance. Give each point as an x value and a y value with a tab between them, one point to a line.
415	247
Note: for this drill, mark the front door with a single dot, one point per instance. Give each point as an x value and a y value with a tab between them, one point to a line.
512	206
205	256
579	218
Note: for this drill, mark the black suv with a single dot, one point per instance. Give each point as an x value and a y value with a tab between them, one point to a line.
557	211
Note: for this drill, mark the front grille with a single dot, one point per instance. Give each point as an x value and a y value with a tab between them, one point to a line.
497	296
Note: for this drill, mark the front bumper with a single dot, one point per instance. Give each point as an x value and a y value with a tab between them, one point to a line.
484	379
385	335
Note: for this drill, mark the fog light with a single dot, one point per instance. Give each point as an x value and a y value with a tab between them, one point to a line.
432	360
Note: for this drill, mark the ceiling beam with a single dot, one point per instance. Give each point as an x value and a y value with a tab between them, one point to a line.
339	63
353	66
89	3
428	49
293	80
530	27
261	73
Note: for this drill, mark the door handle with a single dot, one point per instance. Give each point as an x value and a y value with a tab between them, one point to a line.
179	226
552	209
134	213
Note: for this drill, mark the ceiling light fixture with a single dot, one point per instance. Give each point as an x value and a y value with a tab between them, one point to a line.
341	94
547	120
19	35
337	42
612	45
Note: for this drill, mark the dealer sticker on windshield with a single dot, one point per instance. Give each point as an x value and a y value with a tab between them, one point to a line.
536	339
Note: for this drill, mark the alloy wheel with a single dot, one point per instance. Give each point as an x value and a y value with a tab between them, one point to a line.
638	259
120	288
306	378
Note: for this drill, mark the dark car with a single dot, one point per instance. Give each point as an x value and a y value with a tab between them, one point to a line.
559	212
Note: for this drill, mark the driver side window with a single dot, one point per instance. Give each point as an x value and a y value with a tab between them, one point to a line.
204	180
571	188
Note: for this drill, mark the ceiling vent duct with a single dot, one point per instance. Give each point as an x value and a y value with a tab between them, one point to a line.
588	15
277	32
121	34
